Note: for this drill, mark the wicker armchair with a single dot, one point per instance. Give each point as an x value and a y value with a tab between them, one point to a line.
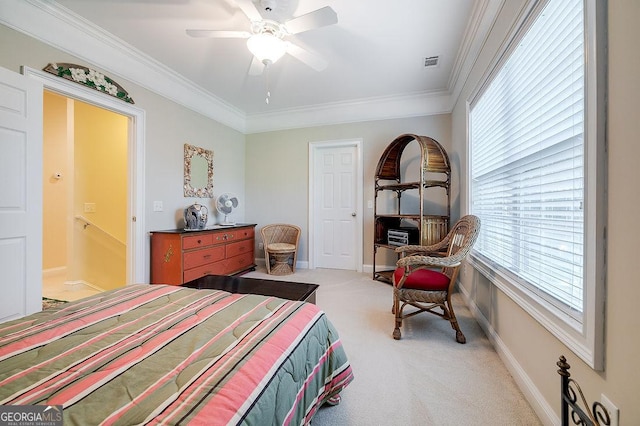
425	278
280	248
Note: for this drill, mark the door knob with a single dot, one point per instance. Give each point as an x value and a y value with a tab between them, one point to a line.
353	214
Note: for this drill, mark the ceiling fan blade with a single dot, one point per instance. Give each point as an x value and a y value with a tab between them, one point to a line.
316	19
249	9
256	67
218	34
311	59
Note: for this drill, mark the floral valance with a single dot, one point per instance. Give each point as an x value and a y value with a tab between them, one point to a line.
90	78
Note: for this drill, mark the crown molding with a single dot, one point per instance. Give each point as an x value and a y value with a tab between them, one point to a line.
482	19
367	109
55	25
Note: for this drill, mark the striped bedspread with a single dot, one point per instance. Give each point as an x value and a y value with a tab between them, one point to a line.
155	354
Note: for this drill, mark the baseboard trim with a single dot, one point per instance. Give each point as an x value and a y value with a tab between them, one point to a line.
533	395
71	285
300	264
369	268
75	285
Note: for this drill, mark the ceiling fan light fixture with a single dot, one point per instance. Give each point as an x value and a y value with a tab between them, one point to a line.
267	47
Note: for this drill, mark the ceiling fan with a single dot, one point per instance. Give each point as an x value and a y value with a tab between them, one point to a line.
266	38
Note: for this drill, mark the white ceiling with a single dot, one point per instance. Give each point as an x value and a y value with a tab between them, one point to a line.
375	54
376	49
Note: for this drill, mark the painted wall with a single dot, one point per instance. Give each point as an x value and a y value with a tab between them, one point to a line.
54	191
100	180
277	171
168	129
100	159
527	348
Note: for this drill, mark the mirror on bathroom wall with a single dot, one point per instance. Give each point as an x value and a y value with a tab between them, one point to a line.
198	172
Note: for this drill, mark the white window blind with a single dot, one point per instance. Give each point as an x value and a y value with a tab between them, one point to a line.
527	159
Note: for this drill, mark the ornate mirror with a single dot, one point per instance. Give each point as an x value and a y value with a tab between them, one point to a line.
198	172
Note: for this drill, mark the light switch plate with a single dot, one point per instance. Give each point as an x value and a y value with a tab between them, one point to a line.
157	206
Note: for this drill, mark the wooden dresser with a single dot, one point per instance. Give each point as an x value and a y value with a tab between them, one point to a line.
179	256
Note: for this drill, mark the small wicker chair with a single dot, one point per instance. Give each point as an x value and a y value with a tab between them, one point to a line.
417	283
280	248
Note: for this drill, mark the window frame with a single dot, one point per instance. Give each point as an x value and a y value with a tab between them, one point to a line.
586	338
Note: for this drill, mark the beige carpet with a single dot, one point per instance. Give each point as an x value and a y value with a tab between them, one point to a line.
424	379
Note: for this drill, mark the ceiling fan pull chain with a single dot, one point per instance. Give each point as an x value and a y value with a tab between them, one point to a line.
266	100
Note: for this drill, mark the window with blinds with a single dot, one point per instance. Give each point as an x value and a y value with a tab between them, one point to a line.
527	159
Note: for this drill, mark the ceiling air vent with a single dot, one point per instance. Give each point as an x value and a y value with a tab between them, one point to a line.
431	61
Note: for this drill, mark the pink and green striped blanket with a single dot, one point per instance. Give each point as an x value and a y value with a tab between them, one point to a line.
155	354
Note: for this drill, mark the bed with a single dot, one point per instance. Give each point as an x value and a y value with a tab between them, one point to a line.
159	354
577	409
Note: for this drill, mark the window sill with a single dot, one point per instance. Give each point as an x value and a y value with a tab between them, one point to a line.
578	336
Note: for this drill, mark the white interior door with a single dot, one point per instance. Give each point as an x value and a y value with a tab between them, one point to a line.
336	216
20	195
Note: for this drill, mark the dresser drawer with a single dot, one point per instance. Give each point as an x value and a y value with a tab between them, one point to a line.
243	234
203	256
238	263
200	240
233	235
201	271
219	237
240	247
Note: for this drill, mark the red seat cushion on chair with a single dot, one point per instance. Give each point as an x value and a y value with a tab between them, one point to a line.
423	279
